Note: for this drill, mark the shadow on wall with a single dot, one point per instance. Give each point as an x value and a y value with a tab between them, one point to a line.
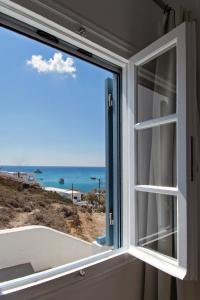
121	278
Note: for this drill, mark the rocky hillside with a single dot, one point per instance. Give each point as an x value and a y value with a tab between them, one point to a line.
22	204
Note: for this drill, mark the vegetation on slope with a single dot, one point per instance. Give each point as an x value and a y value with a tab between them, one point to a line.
22	204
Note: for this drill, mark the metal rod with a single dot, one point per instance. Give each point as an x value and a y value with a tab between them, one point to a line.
72	192
99	188
165	7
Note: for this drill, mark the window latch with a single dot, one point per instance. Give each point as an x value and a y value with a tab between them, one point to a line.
111	218
47	36
110	101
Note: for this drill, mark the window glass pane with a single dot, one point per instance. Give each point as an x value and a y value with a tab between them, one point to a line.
157	222
55	181
156	156
156	87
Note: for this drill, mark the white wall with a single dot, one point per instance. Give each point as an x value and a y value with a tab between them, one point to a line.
115	25
41	246
115	279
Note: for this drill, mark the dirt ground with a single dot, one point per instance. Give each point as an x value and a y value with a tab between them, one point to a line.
22	204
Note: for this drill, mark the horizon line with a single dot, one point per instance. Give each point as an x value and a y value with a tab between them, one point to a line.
83	166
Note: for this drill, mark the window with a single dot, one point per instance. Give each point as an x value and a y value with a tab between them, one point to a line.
56	175
150	149
162	154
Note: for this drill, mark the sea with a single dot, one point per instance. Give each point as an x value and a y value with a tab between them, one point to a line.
84	179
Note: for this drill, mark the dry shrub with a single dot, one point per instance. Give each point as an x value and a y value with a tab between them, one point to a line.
39	218
27	208
42	203
67	211
13	203
89	217
76	221
5	217
50	218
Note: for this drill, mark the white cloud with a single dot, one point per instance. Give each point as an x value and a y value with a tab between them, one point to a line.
55	64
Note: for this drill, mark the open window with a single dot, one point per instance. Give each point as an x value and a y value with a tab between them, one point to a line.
59	178
162	166
152	178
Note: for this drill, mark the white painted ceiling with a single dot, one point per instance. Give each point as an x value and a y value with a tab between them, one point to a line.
132	22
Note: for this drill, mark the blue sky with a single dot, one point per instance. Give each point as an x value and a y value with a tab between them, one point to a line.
51	112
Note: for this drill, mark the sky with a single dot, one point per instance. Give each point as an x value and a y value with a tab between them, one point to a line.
52	106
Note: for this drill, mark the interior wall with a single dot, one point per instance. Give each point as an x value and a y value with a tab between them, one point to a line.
135	22
115	279
115	25
110	16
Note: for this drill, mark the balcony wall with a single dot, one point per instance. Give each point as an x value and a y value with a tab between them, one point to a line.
43	247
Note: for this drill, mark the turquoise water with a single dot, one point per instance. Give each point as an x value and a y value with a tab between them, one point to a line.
80	177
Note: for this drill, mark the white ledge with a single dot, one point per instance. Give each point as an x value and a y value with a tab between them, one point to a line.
156	122
173	191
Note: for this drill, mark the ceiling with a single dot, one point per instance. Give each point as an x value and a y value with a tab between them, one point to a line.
130	24
133	21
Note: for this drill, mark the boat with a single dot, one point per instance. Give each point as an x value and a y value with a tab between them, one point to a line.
38	171
61	181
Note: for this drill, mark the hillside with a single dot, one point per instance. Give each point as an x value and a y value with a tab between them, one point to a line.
22	204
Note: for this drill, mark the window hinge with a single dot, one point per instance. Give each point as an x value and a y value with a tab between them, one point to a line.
110	101
111	219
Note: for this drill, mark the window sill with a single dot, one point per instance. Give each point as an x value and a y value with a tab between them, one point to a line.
159	261
14	285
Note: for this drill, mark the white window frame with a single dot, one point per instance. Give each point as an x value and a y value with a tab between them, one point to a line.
184	265
127	176
26	16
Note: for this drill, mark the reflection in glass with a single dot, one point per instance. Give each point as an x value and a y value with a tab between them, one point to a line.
156	87
157	222
156	158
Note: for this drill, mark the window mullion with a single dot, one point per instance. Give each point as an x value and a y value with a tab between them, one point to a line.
156	122
173	191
